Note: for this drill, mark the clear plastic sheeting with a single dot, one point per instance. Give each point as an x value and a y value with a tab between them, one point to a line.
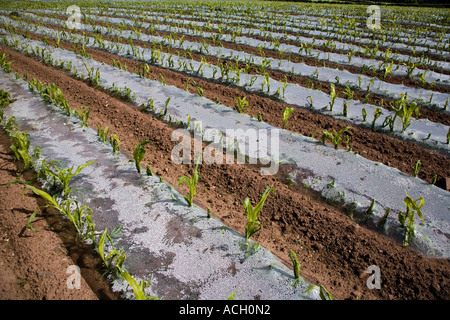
186	254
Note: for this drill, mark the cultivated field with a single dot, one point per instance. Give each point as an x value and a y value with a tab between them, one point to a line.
206	150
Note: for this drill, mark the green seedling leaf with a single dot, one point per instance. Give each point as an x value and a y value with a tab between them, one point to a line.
139	153
191	182
252	214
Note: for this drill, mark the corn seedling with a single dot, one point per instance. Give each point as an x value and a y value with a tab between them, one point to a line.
417	166
80	218
93	77
253	225
260	119
83	115
407	219
364	114
345	109
336	139
241	104
102	133
266	81
139	153
376	114
348	93
149	171
286	113
63	176
199	89
233	295
138	288
6	65
324	294
295	263
20	144
50	200
433	180
284	85
115	143
404	112
371	208
333	96
191	182
5	98
114	259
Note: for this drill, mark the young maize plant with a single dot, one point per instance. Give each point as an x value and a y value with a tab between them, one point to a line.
323	292
376	114
364	114
50	200
63	176
286	113
139	153
115	143
102	133
114	259
192	183
284	85
80	218
348	93
383	220
51	94
4	64
20	144
253	225
336	139
333	96
345	109
296	265
83	115
5	98
404	113
407	219
417	168
93	78
241	104
260	119
138	288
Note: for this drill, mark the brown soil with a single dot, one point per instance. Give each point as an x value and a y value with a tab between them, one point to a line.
332	248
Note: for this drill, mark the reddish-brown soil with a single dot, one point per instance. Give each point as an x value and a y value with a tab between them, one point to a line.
332	248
